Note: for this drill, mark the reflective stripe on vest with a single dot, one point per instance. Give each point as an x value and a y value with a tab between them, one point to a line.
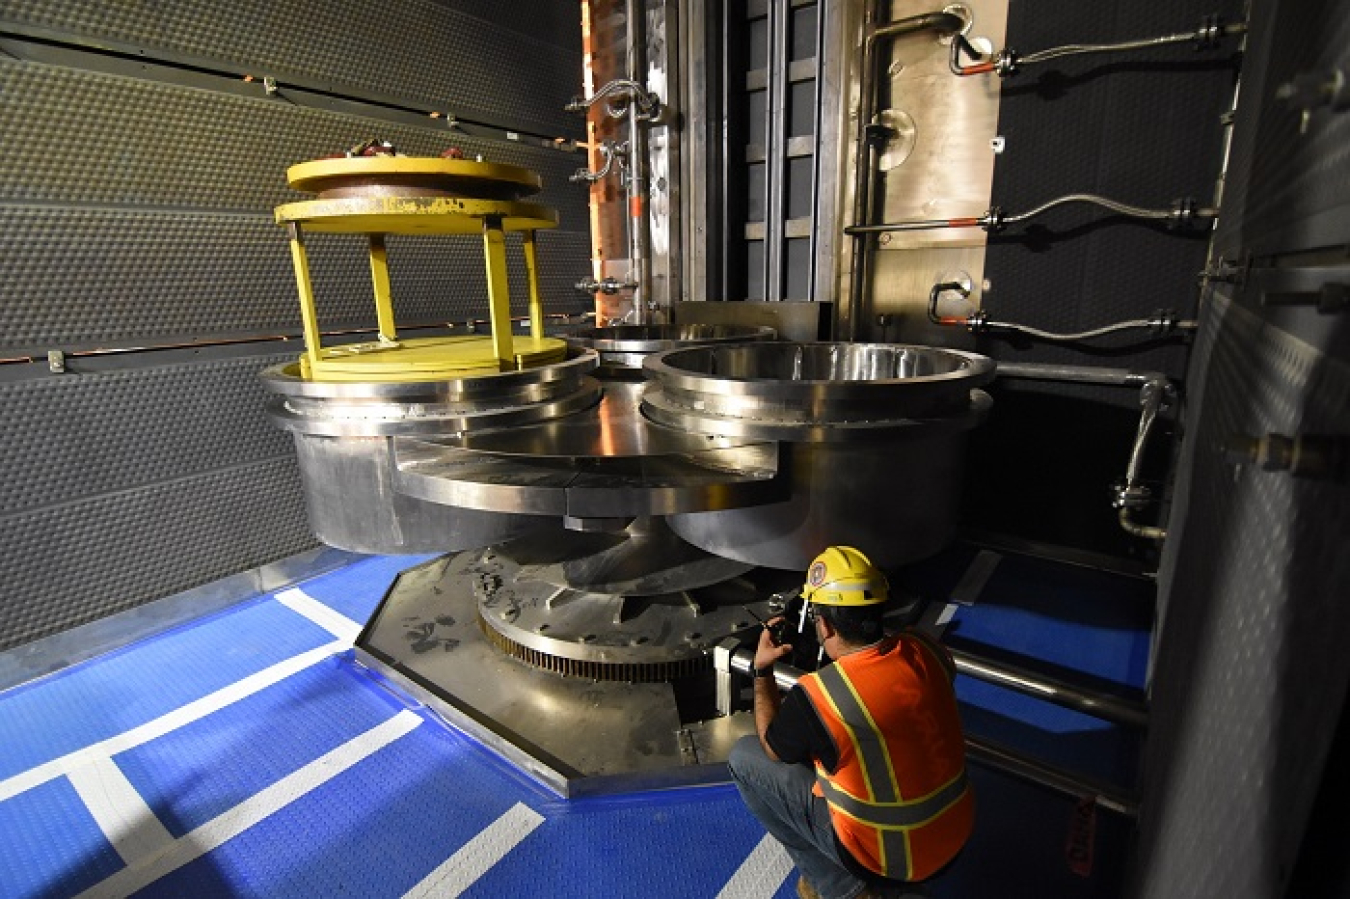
895	815
883	808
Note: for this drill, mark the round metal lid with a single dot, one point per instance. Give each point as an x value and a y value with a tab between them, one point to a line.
412	176
398	214
424	358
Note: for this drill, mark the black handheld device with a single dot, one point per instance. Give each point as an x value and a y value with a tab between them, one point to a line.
777	632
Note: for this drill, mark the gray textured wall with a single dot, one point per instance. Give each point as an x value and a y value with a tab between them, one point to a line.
139	167
1250	672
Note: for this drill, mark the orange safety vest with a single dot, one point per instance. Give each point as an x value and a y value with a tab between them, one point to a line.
898	797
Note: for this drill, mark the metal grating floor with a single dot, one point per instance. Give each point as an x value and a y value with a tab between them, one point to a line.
247	754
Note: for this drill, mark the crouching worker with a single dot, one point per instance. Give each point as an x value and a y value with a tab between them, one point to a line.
860	770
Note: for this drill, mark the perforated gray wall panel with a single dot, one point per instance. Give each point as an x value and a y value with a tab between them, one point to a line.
198	275
1143	128
146	425
1251	670
73	563
93	138
415	51
204	266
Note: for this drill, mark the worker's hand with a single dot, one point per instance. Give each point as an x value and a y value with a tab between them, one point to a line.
768	652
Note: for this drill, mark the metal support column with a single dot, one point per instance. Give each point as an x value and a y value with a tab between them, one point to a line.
499	296
305	286
379	274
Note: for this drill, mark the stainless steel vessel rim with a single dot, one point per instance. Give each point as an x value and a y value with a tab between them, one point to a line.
974	368
327	421
285	379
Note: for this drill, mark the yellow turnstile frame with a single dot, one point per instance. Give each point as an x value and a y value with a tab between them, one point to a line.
378	196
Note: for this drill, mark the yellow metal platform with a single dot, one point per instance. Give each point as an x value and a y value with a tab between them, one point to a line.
429	358
379	195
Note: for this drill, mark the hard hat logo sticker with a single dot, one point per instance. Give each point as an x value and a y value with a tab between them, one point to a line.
816	576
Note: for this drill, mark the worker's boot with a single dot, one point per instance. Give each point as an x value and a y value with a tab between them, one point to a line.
805	890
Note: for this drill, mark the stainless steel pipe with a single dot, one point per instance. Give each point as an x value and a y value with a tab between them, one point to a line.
741	661
1098	705
876	35
1155	394
639	169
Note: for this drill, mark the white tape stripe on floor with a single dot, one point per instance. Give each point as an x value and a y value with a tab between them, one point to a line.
124	817
198	708
761	874
461	870
334	622
235	821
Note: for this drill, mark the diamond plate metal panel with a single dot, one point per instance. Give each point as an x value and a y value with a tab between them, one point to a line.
79	278
66	565
144	426
420	52
1292	192
1251	671
445	279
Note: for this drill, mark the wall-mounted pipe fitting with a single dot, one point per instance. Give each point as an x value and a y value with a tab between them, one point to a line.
1182	212
1156	393
628	98
1008	62
621	94
1320	456
611	151
609	286
1164	322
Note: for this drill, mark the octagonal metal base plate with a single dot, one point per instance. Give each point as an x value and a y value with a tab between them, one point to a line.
574	735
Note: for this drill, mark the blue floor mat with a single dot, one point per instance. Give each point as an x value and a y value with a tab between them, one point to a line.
272	794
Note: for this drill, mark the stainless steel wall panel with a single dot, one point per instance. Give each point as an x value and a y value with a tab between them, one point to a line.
415	51
1290	190
84	277
69	564
542	20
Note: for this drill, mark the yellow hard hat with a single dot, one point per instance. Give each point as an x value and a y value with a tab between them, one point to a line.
843	576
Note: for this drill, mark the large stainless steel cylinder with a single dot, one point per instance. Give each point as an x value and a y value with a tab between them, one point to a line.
872	437
628	346
344	433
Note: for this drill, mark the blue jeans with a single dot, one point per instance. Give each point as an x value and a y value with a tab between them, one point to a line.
779	795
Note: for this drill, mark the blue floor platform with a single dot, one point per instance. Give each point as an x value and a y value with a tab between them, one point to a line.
247	753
